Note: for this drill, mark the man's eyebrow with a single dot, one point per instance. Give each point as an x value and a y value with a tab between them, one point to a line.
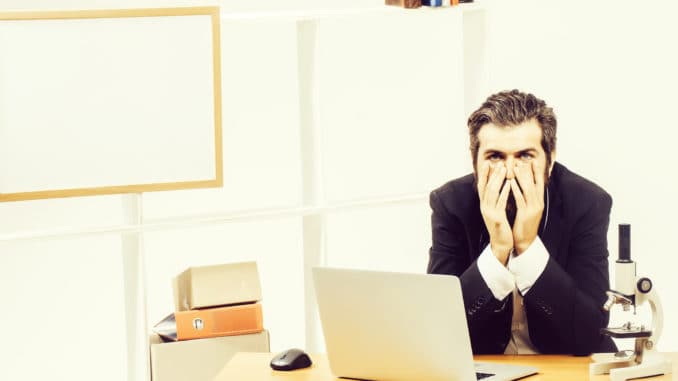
528	150
492	152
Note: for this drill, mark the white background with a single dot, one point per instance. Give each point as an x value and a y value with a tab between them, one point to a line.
607	68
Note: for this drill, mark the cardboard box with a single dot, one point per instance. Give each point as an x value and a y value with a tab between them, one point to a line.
200	360
212	322
404	3
218	285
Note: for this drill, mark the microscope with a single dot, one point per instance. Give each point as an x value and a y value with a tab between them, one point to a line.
631	291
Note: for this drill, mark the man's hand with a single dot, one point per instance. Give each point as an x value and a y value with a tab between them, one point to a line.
493	198
529	202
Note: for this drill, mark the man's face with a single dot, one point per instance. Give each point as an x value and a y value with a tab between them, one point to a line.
509	147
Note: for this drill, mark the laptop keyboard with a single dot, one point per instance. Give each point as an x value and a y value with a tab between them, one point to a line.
480	376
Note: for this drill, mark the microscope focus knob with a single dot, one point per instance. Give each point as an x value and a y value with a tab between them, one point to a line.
644	285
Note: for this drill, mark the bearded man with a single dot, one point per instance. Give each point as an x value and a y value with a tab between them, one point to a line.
526	236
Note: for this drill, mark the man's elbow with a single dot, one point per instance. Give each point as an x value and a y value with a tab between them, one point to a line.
588	337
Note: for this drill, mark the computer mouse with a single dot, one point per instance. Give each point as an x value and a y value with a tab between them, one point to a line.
291	359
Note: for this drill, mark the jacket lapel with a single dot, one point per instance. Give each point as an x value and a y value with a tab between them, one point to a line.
552	220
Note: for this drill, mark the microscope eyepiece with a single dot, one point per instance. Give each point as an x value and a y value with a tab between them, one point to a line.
624	243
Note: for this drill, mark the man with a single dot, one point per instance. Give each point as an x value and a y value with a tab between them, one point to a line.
526	237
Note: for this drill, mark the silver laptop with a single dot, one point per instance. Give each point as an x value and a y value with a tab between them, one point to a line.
397	326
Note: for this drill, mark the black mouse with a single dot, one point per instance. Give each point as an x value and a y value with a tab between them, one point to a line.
291	359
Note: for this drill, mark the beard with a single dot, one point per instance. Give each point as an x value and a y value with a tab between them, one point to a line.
511	209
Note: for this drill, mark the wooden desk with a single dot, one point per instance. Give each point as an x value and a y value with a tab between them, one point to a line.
255	366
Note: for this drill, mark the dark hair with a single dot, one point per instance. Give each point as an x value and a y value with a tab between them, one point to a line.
511	108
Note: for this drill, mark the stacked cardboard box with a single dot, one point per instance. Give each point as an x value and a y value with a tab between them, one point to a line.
217	313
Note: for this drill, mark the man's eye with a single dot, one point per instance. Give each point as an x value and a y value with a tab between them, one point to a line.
526	156
494	157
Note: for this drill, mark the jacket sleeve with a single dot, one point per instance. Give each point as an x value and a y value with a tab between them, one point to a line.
563	306
449	250
488	319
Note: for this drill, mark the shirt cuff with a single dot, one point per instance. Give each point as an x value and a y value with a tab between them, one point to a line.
497	277
528	266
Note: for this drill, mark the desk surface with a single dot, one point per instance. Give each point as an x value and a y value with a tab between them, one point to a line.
255	366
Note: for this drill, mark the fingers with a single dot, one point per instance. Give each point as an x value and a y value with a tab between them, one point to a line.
483	173
517	195
525	179
503	196
538	173
494	185
524	174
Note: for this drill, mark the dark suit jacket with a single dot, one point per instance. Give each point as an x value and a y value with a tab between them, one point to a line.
563	307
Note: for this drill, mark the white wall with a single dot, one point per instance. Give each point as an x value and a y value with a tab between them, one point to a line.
609	70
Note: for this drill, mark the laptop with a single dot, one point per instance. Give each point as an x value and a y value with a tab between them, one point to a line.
399	326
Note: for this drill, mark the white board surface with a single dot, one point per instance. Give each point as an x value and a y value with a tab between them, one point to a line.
109	102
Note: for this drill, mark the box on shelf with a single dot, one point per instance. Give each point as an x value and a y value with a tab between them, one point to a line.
202	359
217	285
404	3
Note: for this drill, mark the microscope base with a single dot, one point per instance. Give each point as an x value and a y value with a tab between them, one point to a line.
626	369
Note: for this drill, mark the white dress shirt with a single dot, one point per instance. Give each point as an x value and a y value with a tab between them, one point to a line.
517	277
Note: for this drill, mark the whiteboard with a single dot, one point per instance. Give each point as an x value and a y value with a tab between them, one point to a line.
109	101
